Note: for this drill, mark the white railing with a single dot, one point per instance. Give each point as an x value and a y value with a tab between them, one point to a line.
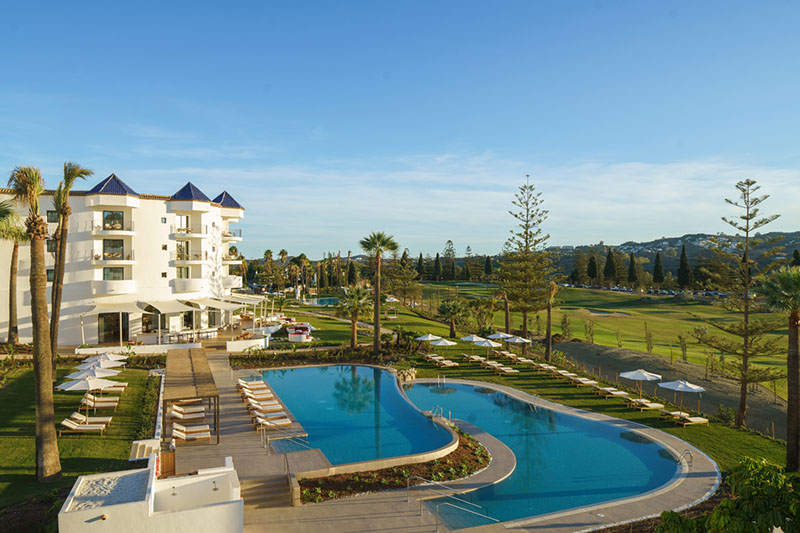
199	229
124	255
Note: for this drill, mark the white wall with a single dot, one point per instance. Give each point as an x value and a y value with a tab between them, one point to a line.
147	264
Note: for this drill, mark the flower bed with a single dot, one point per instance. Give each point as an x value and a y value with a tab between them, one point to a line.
468	458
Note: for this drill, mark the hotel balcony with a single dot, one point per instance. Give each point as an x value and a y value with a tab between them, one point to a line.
231	282
233	235
185	259
110	230
231	260
114	258
116	286
190	284
191	232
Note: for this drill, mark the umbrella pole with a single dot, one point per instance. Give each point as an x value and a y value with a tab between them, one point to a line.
681	408
83	335
120	328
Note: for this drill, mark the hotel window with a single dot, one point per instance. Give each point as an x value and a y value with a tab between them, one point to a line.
51	274
52	216
163	220
112	220
113	273
51	245
182	250
163	246
113	249
163	274
183	272
182	223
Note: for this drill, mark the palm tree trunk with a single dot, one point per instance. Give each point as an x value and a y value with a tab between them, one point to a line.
13	327
353	331
58	288
452	328
376	312
524	331
48	465
508	313
793	404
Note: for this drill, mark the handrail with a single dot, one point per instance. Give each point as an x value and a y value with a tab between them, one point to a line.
287	435
460	493
487	517
690	458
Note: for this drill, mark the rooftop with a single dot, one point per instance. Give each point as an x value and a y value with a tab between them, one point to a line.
190	192
112	185
226	200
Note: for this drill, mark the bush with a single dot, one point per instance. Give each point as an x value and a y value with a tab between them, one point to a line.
147	416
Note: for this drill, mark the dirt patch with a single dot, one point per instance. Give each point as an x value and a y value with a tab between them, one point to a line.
763	407
34	514
468	458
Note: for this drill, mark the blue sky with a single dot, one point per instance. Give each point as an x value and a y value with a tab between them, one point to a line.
329	120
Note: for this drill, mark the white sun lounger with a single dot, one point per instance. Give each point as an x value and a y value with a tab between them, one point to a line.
180	435
70	426
691	421
185	409
273	423
81	418
199	428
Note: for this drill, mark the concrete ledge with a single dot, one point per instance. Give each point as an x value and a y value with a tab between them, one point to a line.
294	488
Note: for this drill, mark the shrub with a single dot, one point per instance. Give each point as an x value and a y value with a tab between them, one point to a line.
147	416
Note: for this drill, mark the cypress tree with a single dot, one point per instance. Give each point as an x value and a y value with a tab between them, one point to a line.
591	268
610	270
437	268
796	258
420	266
633	276
488	267
684	271
658	270
404	258
352	274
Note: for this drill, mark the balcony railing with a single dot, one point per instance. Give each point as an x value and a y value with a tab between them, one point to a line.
116	286
190	284
232	234
115	226
200	229
231	282
231	258
122	255
193	256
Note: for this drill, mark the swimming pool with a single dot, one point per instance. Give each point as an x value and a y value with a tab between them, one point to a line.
353	413
563	461
322	301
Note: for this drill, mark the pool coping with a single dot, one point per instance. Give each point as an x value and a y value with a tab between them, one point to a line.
623	510
377	464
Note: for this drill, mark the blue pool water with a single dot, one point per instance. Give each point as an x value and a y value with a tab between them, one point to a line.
323	301
563	461
353	413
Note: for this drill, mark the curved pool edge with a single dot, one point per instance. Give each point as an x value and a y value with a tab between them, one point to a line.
376	464
687	488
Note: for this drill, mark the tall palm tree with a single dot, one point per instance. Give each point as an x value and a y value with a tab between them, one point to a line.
353	304
72	172
376	244
28	185
781	288
11	229
282	255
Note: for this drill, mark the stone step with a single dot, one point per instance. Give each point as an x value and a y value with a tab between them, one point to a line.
266	492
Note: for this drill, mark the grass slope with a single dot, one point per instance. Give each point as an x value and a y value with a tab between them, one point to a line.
80	454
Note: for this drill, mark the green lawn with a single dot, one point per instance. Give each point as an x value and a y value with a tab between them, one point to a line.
80	454
724	444
665	317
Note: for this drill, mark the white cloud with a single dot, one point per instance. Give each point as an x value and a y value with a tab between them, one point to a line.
425	200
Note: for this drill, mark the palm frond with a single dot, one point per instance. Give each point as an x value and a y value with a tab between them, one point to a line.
27	185
72	172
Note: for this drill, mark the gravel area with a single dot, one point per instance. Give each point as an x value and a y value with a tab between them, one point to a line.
111	489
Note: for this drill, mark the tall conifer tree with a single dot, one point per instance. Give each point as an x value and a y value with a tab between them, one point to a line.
633	275
610	270
658	270
684	270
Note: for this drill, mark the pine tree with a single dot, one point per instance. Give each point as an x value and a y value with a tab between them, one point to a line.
352	273
525	266
591	269
633	275
684	271
449	262
437	268
658	270
421	266
488	268
795	258
579	275
404	258
610	270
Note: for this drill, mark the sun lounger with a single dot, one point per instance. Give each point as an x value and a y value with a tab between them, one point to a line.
691	421
187	416
267	415
646	406
99	403
257	388
583	382
446	363
188	408
190	401
270	406
70	426
81	418
258	395
255	384
669	415
525	360
273	423
199	428
506	370
616	394
180	435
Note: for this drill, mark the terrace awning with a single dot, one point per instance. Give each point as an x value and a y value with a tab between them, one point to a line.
238	298
122	307
169	306
216	304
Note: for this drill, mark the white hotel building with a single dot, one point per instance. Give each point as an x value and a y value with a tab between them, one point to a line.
140	259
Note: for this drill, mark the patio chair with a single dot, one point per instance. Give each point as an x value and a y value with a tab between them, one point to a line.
81	418
70	426
186	437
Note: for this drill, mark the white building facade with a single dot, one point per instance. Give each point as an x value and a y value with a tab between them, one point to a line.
126	250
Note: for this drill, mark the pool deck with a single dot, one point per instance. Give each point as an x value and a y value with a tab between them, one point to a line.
698	482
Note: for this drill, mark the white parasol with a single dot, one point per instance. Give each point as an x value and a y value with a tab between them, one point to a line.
640	375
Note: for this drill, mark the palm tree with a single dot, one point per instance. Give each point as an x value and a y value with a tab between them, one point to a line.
72	172
451	311
353	304
782	291
27	185
375	244
11	229
282	255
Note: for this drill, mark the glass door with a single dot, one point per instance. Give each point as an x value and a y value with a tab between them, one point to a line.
108	328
